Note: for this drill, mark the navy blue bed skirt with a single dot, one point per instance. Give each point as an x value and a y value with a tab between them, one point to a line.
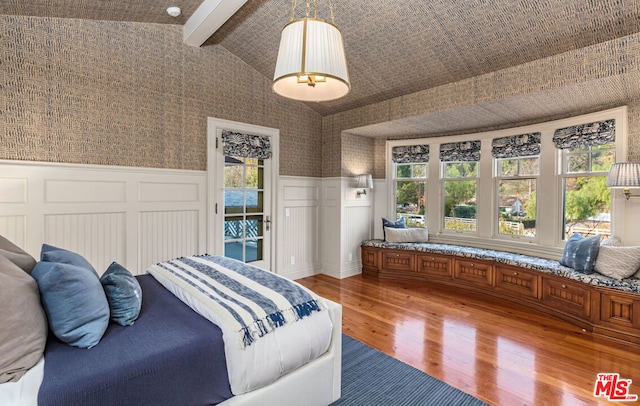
171	356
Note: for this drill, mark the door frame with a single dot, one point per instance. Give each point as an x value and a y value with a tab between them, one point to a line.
215	180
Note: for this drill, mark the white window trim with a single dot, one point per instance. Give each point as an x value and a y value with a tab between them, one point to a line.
549	243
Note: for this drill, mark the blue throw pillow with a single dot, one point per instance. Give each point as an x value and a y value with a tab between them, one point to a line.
580	253
49	253
74	301
402	223
123	293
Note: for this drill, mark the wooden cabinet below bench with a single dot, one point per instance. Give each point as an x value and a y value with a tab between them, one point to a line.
604	311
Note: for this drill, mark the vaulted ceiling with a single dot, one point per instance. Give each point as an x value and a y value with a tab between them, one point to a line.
396	48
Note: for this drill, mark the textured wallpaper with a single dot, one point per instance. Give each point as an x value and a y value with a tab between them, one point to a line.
607	69
132	94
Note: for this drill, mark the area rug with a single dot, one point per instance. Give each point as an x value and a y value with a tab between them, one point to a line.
372	378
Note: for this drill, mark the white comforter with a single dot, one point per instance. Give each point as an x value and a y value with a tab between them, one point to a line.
269	357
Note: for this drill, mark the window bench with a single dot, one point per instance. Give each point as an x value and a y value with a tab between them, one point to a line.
595	303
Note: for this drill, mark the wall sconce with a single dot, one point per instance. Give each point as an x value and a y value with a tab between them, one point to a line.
363	182
624	175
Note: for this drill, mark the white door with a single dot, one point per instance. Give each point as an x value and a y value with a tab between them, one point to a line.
241	196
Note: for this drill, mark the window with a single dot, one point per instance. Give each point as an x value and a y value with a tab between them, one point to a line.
410	190
586	199
517	168
516	185
524	193
460	190
410	183
460	178
588	150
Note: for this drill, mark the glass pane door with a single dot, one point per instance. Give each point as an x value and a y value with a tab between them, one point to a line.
244	209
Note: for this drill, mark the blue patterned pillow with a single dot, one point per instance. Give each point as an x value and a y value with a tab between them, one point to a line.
123	293
580	253
402	223
74	301
49	253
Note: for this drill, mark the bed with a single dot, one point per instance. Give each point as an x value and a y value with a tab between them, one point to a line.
173	354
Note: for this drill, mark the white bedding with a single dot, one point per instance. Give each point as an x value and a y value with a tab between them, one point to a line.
269	357
25	391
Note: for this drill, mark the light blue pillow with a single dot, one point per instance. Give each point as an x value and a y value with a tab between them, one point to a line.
402	223
74	301
123	294
580	253
49	253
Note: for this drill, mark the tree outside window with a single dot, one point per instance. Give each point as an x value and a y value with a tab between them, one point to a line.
411	192
460	188
586	199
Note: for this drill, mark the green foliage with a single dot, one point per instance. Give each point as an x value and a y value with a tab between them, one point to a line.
530	207
464	211
407	193
586	197
458	192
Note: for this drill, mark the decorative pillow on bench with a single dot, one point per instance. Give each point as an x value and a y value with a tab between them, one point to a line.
386	223
406	234
580	253
618	262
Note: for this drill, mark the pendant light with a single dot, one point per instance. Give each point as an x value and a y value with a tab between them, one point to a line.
311	64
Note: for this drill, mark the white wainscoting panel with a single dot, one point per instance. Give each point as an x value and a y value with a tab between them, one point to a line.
298	227
14	229
99	236
135	216
357	228
166	235
346	222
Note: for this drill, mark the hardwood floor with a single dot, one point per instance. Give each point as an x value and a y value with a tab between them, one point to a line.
498	352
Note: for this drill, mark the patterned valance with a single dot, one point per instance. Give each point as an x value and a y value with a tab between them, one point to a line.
585	135
460	151
245	145
410	154
516	145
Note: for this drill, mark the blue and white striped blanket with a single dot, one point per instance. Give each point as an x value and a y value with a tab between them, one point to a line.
251	301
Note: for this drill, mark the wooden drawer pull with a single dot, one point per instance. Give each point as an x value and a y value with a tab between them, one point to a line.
564	286
471	265
515	274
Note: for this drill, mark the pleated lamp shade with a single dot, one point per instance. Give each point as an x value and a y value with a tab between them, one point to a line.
311	64
624	175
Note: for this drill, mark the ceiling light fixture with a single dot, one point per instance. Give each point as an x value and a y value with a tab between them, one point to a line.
174	11
311	64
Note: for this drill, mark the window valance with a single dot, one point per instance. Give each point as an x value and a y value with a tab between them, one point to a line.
585	135
245	145
410	154
460	151
516	145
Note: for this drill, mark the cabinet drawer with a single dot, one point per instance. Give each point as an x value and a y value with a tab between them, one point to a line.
398	261
369	257
475	272
620	310
567	297
517	281
434	265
